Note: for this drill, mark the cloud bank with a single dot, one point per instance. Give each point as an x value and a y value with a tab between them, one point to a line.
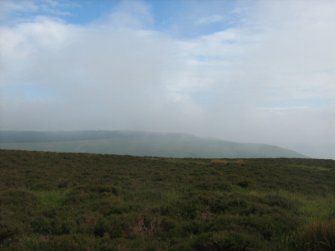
268	78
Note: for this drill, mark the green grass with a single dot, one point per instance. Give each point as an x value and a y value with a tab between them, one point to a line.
62	201
319	208
51	198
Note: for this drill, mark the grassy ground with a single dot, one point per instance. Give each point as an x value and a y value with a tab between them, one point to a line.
58	201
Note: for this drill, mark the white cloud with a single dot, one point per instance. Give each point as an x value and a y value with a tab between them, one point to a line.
129	14
270	79
9	6
210	20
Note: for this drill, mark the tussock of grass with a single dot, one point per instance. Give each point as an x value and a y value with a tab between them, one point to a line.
319	235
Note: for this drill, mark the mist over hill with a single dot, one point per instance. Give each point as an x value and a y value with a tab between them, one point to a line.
139	144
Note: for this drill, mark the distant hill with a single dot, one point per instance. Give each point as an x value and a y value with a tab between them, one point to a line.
139	144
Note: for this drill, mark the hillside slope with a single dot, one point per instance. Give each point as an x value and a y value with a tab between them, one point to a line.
139	144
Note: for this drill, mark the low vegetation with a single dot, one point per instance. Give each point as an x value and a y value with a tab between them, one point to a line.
64	201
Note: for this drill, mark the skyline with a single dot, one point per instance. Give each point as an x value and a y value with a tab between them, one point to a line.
256	71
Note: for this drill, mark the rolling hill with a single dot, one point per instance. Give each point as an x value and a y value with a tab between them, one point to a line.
139	144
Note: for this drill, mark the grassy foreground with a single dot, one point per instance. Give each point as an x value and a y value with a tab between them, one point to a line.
63	201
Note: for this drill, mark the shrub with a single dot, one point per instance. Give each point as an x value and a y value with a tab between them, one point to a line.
240	162
219	162
278	201
7	231
56	243
226	241
114	226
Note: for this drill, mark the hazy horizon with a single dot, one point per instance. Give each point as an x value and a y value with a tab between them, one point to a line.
243	71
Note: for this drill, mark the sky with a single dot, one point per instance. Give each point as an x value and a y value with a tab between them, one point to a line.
260	71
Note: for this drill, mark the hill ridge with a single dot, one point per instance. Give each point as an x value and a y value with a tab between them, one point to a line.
139	143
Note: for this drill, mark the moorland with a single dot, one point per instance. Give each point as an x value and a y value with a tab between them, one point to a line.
75	201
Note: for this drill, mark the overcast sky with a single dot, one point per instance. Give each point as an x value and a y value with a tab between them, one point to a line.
247	71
